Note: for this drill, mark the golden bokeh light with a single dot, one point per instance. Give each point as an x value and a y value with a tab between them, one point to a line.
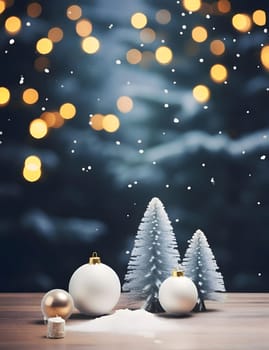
49	118
259	17
111	123
74	12
32	162
218	73
34	10
30	96
199	34
265	57
52	119
4	96
96	122
217	47
224	6
67	110
41	63
192	5
125	104
38	128
201	93
163	16
44	46
133	56
2	6
84	27
31	175
164	55
147	35
90	45
13	25
242	22
139	20
55	34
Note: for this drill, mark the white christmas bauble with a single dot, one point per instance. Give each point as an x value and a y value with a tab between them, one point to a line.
178	294
95	288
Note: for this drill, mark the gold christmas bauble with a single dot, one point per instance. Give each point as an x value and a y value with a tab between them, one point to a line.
57	302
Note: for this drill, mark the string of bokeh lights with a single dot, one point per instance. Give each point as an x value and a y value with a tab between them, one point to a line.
39	127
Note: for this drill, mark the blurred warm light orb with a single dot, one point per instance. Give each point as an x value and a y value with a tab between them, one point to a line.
147	35
224	6
30	96
265	56
164	55
74	12
217	47
96	122
55	34
41	63
38	128
199	34
4	96
242	22
34	10
218	73
192	5
67	110
201	93
32	163
58	120
2	6
31	175
44	46
139	20
90	45
134	56
125	104
52	119
259	17
84	27
163	16
111	123
13	25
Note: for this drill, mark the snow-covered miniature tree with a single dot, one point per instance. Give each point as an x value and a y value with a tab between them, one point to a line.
154	256
200	265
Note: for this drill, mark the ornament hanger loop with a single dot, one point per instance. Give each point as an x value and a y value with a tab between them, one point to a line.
177	273
94	259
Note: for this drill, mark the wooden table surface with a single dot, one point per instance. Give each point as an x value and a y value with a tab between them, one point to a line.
240	322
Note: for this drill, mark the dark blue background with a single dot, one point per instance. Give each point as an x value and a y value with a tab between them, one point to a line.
50	227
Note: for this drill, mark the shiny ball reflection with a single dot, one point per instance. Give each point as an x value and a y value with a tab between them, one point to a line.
57	302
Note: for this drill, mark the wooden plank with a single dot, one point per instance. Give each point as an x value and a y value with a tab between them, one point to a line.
240	322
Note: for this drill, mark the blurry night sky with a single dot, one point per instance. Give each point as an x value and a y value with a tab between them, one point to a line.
106	104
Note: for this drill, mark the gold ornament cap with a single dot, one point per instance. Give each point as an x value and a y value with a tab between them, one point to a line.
94	259
177	273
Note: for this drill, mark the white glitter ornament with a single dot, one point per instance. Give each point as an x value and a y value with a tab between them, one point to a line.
95	287
178	294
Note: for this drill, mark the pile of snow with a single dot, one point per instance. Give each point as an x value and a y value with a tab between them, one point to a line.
125	321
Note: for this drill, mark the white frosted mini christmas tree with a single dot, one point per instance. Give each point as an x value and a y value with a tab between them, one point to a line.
200	265
154	256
